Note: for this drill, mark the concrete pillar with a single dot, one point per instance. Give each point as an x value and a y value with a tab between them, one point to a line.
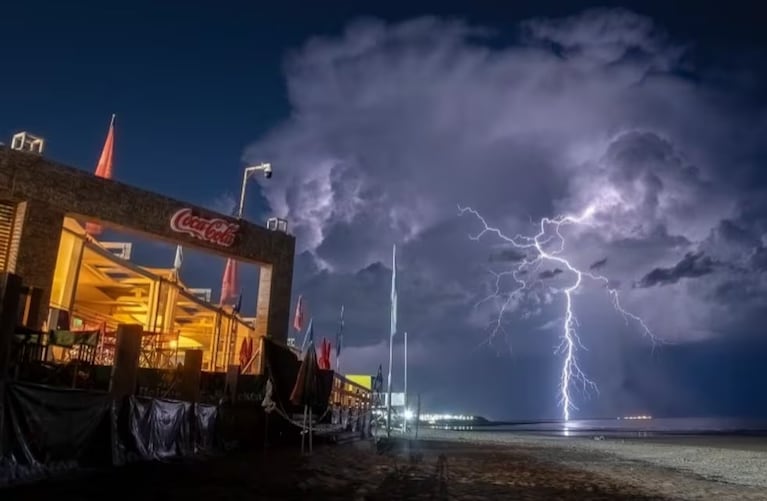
259	362
37	252
273	307
191	375
36	309
10	291
127	353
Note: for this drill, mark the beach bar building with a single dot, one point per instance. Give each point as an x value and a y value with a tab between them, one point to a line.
75	283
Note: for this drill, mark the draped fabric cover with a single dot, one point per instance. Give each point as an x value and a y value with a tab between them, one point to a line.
48	429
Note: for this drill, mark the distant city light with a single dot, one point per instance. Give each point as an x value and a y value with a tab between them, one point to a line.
631	418
434	418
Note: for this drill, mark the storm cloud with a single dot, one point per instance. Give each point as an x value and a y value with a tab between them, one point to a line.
549	273
507	255
393	125
692	265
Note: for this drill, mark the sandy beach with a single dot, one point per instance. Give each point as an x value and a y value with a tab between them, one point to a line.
444	465
672	467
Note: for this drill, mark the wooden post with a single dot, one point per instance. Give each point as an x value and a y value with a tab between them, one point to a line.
190	377
10	290
125	368
232	375
10	293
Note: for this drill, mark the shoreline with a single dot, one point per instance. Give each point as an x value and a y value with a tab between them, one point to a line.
731	462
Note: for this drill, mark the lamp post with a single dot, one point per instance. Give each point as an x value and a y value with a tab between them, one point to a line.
265	167
404	395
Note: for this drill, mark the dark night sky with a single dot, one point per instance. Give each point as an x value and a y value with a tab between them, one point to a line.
381	120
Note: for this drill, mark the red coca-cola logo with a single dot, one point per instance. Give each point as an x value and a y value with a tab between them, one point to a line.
216	230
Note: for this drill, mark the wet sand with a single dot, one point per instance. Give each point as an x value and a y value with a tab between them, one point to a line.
731	442
446	466
672	467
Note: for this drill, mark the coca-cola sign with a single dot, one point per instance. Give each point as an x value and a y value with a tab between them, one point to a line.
214	230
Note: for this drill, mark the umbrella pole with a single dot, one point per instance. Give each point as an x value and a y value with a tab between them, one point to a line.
311	412
266	430
303	432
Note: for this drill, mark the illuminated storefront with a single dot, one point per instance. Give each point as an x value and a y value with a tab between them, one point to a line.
95	290
81	285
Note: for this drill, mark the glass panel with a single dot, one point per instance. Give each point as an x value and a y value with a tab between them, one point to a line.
67	265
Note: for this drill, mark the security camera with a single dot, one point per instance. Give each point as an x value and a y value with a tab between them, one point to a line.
268	171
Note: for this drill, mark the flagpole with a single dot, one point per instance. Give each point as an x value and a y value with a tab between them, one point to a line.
339	340
404	396
393	330
388	398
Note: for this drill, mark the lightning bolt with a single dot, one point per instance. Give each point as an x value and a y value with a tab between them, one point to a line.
547	246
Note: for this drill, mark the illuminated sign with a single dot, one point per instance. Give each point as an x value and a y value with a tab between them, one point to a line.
366	381
215	230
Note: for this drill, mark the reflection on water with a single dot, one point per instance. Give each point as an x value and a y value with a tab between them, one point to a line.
451	427
625	427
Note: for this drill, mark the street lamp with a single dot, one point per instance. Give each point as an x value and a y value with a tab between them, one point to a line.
265	167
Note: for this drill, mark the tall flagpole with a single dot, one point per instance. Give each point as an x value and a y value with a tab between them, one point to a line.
404	396
339	340
392	331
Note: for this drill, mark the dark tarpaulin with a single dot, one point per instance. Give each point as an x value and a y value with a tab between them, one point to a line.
282	368
205	425
160	428
49	429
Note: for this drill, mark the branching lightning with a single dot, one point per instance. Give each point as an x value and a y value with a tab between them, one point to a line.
547	246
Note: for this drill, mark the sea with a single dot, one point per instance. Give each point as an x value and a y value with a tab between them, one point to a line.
626	428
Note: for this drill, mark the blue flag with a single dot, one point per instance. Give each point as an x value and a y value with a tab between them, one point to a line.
238	306
308	336
340	336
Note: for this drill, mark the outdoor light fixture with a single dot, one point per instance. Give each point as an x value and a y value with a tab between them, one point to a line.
267	170
277	224
24	141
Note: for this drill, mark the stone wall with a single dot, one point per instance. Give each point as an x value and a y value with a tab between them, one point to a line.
52	191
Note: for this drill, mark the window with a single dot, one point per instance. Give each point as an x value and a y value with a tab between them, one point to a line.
67	267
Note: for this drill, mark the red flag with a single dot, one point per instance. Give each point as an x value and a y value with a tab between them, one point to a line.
321	349
229	286
324	359
298	320
104	169
244	353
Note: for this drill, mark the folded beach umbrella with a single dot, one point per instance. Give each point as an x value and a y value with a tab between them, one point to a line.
306	389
